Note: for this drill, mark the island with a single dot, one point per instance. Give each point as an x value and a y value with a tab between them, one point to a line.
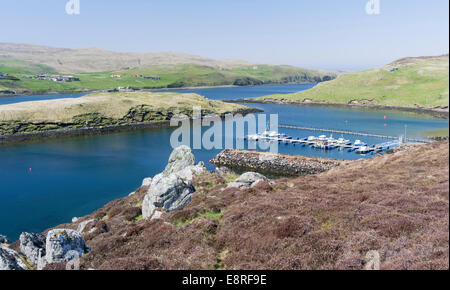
102	112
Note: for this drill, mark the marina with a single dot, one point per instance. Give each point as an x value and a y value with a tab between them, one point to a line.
353	133
326	143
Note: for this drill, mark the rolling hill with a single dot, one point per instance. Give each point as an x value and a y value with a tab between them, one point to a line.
407	82
81	60
97	69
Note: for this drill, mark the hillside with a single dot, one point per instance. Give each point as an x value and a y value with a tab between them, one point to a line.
407	82
79	60
326	221
103	109
31	69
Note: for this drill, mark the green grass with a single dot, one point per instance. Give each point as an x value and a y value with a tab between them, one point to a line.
215	215
418	82
437	133
104	109
171	76
15	66
138	218
110	105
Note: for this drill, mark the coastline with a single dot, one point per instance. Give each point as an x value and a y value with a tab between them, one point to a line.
14	139
144	90
437	113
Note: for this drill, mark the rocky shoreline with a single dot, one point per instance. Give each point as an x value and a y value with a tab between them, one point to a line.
187	218
272	164
169	191
91	131
442	113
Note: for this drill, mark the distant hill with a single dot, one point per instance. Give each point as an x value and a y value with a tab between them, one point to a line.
407	82
79	60
97	69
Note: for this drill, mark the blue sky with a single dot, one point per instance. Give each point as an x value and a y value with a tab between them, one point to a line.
328	34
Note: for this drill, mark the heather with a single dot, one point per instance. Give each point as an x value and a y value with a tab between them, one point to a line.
396	204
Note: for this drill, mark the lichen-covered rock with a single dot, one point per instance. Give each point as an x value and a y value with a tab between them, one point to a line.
172	189
180	158
83	225
190	172
3	239
157	214
62	243
10	260
168	192
247	180
147	181
32	245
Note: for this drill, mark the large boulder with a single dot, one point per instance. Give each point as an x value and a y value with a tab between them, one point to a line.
83	225
3	239
147	181
190	172
172	188
32	246
10	260
181	158
247	180
62	244
167	192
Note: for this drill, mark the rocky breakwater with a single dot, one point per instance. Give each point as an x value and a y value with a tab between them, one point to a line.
172	189
272	164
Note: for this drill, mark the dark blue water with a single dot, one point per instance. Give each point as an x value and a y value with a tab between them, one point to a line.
248	92
215	94
73	177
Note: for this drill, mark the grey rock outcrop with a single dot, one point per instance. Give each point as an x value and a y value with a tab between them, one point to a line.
32	245
62	243
172	189
157	214
147	181
83	225
190	172
167	192
180	158
247	180
3	239
10	260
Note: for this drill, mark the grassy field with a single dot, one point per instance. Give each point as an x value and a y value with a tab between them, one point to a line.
103	109
15	66
437	133
416	82
171	76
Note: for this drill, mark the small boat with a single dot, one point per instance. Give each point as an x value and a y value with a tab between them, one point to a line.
363	150
324	145
284	136
359	143
253	137
330	146
311	140
342	142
